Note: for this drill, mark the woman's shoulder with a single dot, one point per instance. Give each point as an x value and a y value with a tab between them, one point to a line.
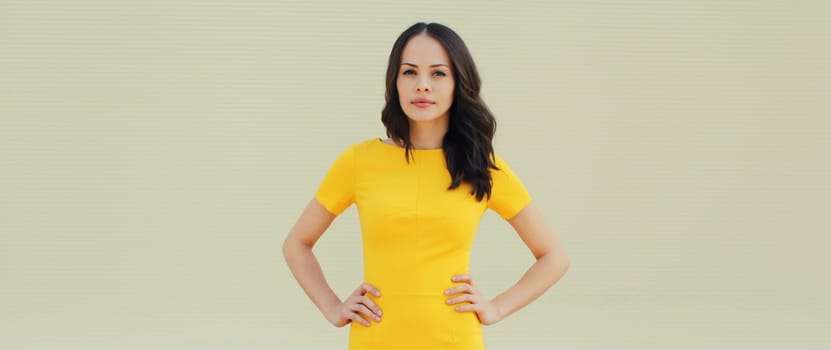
363	147
366	144
497	160
504	168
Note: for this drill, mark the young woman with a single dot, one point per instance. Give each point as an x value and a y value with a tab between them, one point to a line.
420	195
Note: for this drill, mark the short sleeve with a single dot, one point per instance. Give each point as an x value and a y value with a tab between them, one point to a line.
337	190
508	194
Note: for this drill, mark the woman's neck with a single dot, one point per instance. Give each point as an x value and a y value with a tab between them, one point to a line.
428	134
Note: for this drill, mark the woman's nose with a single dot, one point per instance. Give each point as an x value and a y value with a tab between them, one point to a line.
422	86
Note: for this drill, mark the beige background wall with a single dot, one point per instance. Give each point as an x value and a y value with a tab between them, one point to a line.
153	154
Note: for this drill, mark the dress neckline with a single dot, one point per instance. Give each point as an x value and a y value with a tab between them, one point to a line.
431	150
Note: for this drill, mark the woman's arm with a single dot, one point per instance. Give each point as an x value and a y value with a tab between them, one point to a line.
297	250
552	263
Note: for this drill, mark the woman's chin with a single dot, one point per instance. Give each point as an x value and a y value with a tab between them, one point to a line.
423	117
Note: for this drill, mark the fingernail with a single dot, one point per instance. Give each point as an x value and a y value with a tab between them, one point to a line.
377	294
447	292
379	312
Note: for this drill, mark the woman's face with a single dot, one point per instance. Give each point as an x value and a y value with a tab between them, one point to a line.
425	81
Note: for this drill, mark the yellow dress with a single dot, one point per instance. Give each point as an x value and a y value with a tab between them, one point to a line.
416	234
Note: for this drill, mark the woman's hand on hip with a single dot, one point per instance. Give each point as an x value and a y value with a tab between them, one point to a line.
356	307
466	292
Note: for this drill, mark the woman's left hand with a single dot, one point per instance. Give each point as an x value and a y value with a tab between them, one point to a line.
485	310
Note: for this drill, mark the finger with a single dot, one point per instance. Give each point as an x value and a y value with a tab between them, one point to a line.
458	289
371	305
362	309
367	288
468	308
357	318
462	278
353	317
360	303
460	299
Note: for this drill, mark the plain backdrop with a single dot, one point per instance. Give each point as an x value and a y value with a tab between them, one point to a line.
154	154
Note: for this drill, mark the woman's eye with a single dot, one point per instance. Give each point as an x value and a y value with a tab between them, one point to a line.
408	72
439	73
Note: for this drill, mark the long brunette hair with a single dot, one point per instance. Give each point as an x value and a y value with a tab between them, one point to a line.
467	145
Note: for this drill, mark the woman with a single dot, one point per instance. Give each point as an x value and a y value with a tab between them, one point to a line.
420	195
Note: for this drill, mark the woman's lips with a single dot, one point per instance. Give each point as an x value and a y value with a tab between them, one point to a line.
423	102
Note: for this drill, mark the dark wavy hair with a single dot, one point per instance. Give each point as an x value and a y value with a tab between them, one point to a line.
467	145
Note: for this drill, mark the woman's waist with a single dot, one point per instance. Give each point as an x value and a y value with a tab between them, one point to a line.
411	284
415	319
410	308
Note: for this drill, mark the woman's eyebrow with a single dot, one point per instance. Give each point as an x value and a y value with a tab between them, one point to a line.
434	65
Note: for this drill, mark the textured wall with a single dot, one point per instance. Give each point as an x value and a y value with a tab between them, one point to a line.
153	155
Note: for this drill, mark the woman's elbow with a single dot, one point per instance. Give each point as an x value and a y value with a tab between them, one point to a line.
291	244
294	243
561	262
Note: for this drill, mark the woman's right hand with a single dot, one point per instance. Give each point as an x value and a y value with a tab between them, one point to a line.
356	305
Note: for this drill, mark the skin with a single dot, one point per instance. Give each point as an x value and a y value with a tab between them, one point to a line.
425	72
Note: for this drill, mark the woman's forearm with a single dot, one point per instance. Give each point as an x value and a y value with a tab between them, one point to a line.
306	269
546	271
